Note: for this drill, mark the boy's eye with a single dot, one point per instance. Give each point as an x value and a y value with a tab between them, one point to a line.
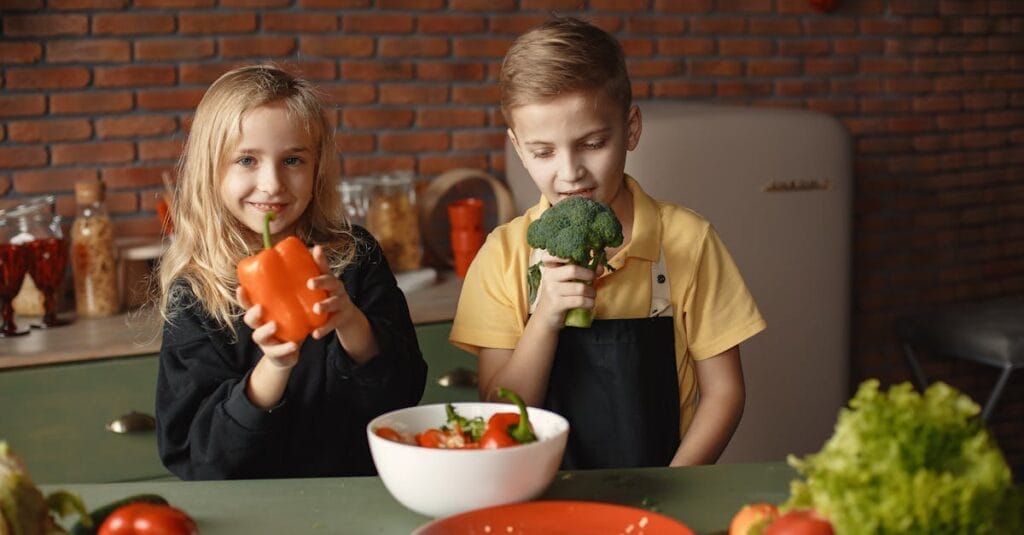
542	153
593	145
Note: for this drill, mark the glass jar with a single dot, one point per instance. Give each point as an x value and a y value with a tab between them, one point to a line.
392	218
39	231
93	260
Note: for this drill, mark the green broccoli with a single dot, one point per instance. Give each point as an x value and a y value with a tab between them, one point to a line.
577	229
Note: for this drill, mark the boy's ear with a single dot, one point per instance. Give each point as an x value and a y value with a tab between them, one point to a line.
515	144
634	125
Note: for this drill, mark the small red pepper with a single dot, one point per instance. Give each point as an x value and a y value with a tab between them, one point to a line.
276	278
506	429
140	518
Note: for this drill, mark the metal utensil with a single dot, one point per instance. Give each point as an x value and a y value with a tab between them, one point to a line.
133	422
459	377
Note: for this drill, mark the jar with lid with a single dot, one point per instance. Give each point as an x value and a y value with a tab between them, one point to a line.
93	259
392	218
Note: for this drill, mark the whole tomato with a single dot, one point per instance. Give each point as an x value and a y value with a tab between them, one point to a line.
141	518
756	515
799	522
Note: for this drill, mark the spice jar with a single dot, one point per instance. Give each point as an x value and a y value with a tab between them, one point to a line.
92	253
392	218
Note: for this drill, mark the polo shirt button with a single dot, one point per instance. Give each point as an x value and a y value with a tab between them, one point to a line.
661	279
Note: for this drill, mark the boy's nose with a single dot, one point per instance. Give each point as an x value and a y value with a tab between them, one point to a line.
571	169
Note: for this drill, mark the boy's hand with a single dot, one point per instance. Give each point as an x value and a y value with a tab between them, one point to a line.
563	287
338	306
281	354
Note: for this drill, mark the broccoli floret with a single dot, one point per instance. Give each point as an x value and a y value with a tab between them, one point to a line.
577	229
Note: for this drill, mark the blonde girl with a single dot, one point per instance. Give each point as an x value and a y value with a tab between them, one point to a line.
233	401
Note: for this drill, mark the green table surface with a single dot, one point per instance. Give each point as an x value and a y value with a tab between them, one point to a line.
703	497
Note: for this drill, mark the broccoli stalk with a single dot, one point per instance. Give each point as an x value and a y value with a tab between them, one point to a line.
577	229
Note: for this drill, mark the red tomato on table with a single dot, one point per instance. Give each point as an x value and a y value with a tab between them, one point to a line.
802	522
142	518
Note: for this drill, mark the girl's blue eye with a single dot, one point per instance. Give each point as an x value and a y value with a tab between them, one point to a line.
246	161
292	160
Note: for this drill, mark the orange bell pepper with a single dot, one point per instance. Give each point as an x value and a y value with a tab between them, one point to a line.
276	279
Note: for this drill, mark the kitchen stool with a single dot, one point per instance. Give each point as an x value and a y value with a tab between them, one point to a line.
987	332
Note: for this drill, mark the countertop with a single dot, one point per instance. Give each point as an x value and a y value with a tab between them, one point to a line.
702	497
138	332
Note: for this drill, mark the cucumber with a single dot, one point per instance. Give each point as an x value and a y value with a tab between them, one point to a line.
101	514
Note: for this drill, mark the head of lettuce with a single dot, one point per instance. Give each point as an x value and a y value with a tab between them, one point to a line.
903	462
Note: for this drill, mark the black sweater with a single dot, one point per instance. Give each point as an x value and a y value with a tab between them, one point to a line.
208	429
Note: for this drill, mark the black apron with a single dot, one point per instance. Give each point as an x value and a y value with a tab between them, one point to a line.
616	383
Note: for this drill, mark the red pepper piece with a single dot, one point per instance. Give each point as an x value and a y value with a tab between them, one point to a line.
142	518
506	429
276	278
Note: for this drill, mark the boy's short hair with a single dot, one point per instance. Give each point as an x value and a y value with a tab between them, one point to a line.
563	55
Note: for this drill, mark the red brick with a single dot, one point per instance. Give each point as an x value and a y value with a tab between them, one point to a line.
298	22
365	165
858	46
745	47
931	65
883	105
358	47
811	47
134	76
745	6
169	99
134	126
513	24
132	23
46	77
450	24
327	4
12	53
484	47
377	118
743	88
173	49
377	23
795	88
170	4
829	66
49	130
985	101
450	117
349	93
474	94
718	26
21	105
257	46
208	23
987	63
88	50
683	6
445	71
311	70
1004	118
418	141
685	46
12	157
909	85
716	68
135	176
830	27
23	5
413	47
412	94
476	140
482	5
44	25
51	180
775	27
347	143
773	67
86	4
633	48
255	3
160	149
205	73
5	185
984	139
642	24
375	70
654	68
550	5
435	165
85	153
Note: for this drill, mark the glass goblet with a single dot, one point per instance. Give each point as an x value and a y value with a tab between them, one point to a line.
48	261
13	265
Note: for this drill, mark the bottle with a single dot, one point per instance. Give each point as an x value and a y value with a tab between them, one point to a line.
93	261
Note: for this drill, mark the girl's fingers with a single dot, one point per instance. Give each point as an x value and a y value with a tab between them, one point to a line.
321	259
243	297
252	316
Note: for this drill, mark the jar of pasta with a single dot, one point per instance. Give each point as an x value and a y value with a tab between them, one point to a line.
93	261
392	218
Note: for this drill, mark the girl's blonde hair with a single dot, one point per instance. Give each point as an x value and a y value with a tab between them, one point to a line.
563	55
208	240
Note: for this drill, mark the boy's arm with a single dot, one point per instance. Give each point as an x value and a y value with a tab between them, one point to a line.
722	395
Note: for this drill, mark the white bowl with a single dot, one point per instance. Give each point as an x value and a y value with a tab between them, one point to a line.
442	482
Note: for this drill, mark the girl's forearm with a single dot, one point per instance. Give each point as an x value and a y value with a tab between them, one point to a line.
267	383
356	336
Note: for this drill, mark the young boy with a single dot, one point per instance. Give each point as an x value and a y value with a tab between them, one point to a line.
668	319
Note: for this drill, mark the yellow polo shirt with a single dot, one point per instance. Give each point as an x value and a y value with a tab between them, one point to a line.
712	307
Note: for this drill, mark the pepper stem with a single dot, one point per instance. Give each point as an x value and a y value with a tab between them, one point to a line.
267	218
521	432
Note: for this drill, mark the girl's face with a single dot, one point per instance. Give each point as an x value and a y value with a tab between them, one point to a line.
271	169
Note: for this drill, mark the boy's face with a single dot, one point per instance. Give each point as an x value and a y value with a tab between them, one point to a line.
575	144
270	170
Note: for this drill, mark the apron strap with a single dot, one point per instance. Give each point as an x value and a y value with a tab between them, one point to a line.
661	293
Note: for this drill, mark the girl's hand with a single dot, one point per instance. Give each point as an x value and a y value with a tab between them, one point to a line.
281	354
338	306
563	287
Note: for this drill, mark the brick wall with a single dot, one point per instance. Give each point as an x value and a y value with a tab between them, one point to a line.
932	91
